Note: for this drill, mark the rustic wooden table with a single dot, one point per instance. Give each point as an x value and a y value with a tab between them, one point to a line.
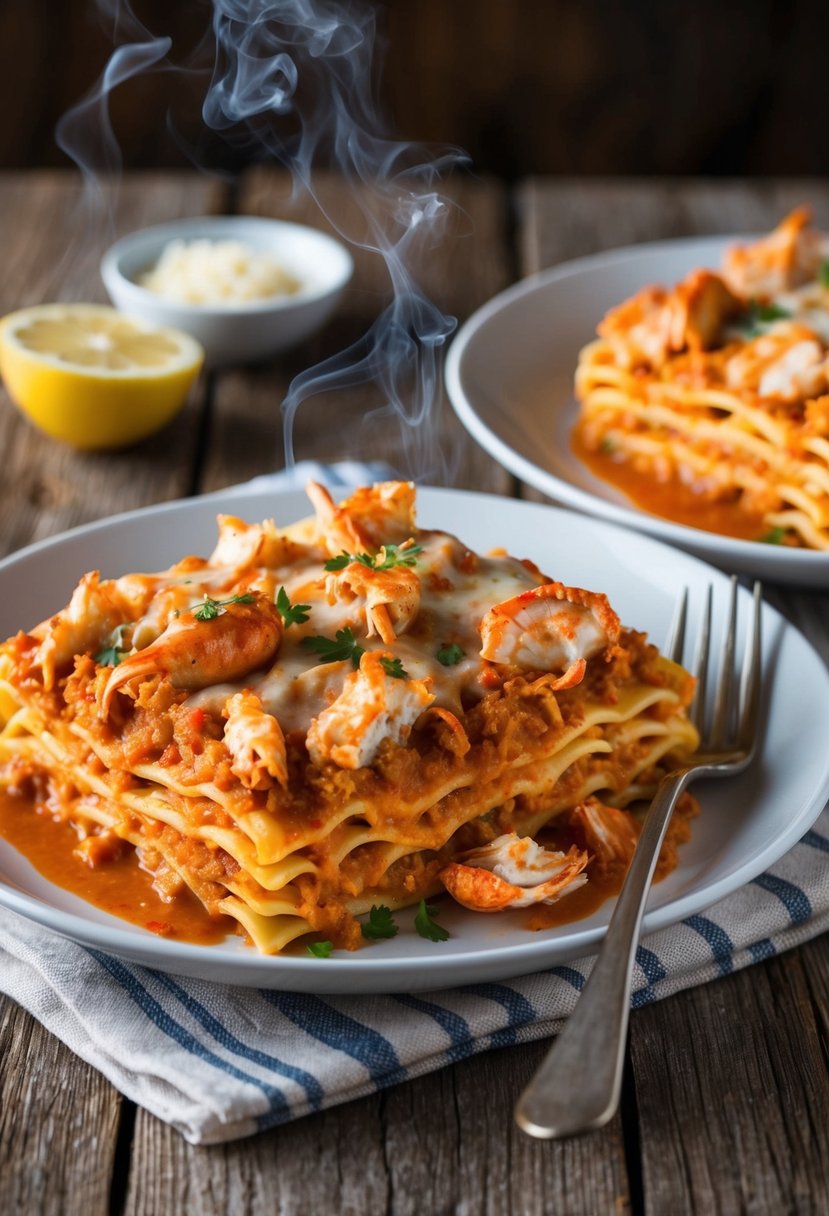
725	1106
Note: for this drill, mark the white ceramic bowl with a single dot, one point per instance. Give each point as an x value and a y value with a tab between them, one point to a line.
237	333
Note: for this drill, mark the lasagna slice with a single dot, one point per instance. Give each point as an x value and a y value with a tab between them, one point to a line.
708	403
346	712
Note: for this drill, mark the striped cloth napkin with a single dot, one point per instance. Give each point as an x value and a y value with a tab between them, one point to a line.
220	1062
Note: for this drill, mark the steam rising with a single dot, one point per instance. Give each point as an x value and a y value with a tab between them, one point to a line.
294	78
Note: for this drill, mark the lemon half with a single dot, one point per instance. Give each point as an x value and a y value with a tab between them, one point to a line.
92	376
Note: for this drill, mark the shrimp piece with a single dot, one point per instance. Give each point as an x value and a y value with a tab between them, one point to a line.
195	653
373	706
391	597
92	613
549	628
786	258
255	742
513	872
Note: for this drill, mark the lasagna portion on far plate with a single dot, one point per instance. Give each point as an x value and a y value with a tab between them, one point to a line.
343	716
709	403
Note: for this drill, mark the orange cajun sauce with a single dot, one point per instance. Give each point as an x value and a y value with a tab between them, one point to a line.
118	886
671	499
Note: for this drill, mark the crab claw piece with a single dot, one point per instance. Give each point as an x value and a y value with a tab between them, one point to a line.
550	628
513	872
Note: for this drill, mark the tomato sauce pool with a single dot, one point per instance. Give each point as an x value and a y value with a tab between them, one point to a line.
118	886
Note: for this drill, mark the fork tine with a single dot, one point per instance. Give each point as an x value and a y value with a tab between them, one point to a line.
752	672
697	711
675	641
724	696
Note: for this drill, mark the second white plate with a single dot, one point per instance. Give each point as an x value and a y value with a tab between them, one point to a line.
509	375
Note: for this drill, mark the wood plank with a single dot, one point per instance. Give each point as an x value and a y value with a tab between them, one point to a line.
732	1096
51	246
332	1162
441	1143
58	1123
569	218
469	265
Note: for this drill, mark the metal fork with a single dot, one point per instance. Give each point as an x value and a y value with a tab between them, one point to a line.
591	1047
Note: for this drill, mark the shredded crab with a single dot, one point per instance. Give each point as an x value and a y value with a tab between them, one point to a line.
513	872
788	257
550	628
373	706
255	742
787	363
391	598
372	516
91	615
656	323
609	833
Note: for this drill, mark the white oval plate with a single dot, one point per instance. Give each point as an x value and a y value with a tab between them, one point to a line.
509	375
745	825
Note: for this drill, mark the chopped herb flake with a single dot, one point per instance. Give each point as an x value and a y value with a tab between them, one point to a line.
292	614
450	654
380	923
386	558
823	275
427	926
759	315
112	654
394	667
344	646
320	949
775	536
607	446
210	609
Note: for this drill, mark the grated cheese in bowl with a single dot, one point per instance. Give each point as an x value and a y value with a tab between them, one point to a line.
215	273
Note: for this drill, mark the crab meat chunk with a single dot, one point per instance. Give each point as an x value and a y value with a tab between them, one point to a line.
550	628
256	743
513	872
373	706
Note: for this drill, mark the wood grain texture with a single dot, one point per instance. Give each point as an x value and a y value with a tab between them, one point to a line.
51	242
58	1124
570	218
732	1096
469	265
443	1143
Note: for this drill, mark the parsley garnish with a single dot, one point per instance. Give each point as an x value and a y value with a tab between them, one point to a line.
112	654
210	609
292	614
607	446
394	667
344	646
774	537
320	949
426	926
387	558
380	923
450	654
823	275
759	315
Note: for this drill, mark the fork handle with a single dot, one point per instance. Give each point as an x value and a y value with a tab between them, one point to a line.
577	1087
